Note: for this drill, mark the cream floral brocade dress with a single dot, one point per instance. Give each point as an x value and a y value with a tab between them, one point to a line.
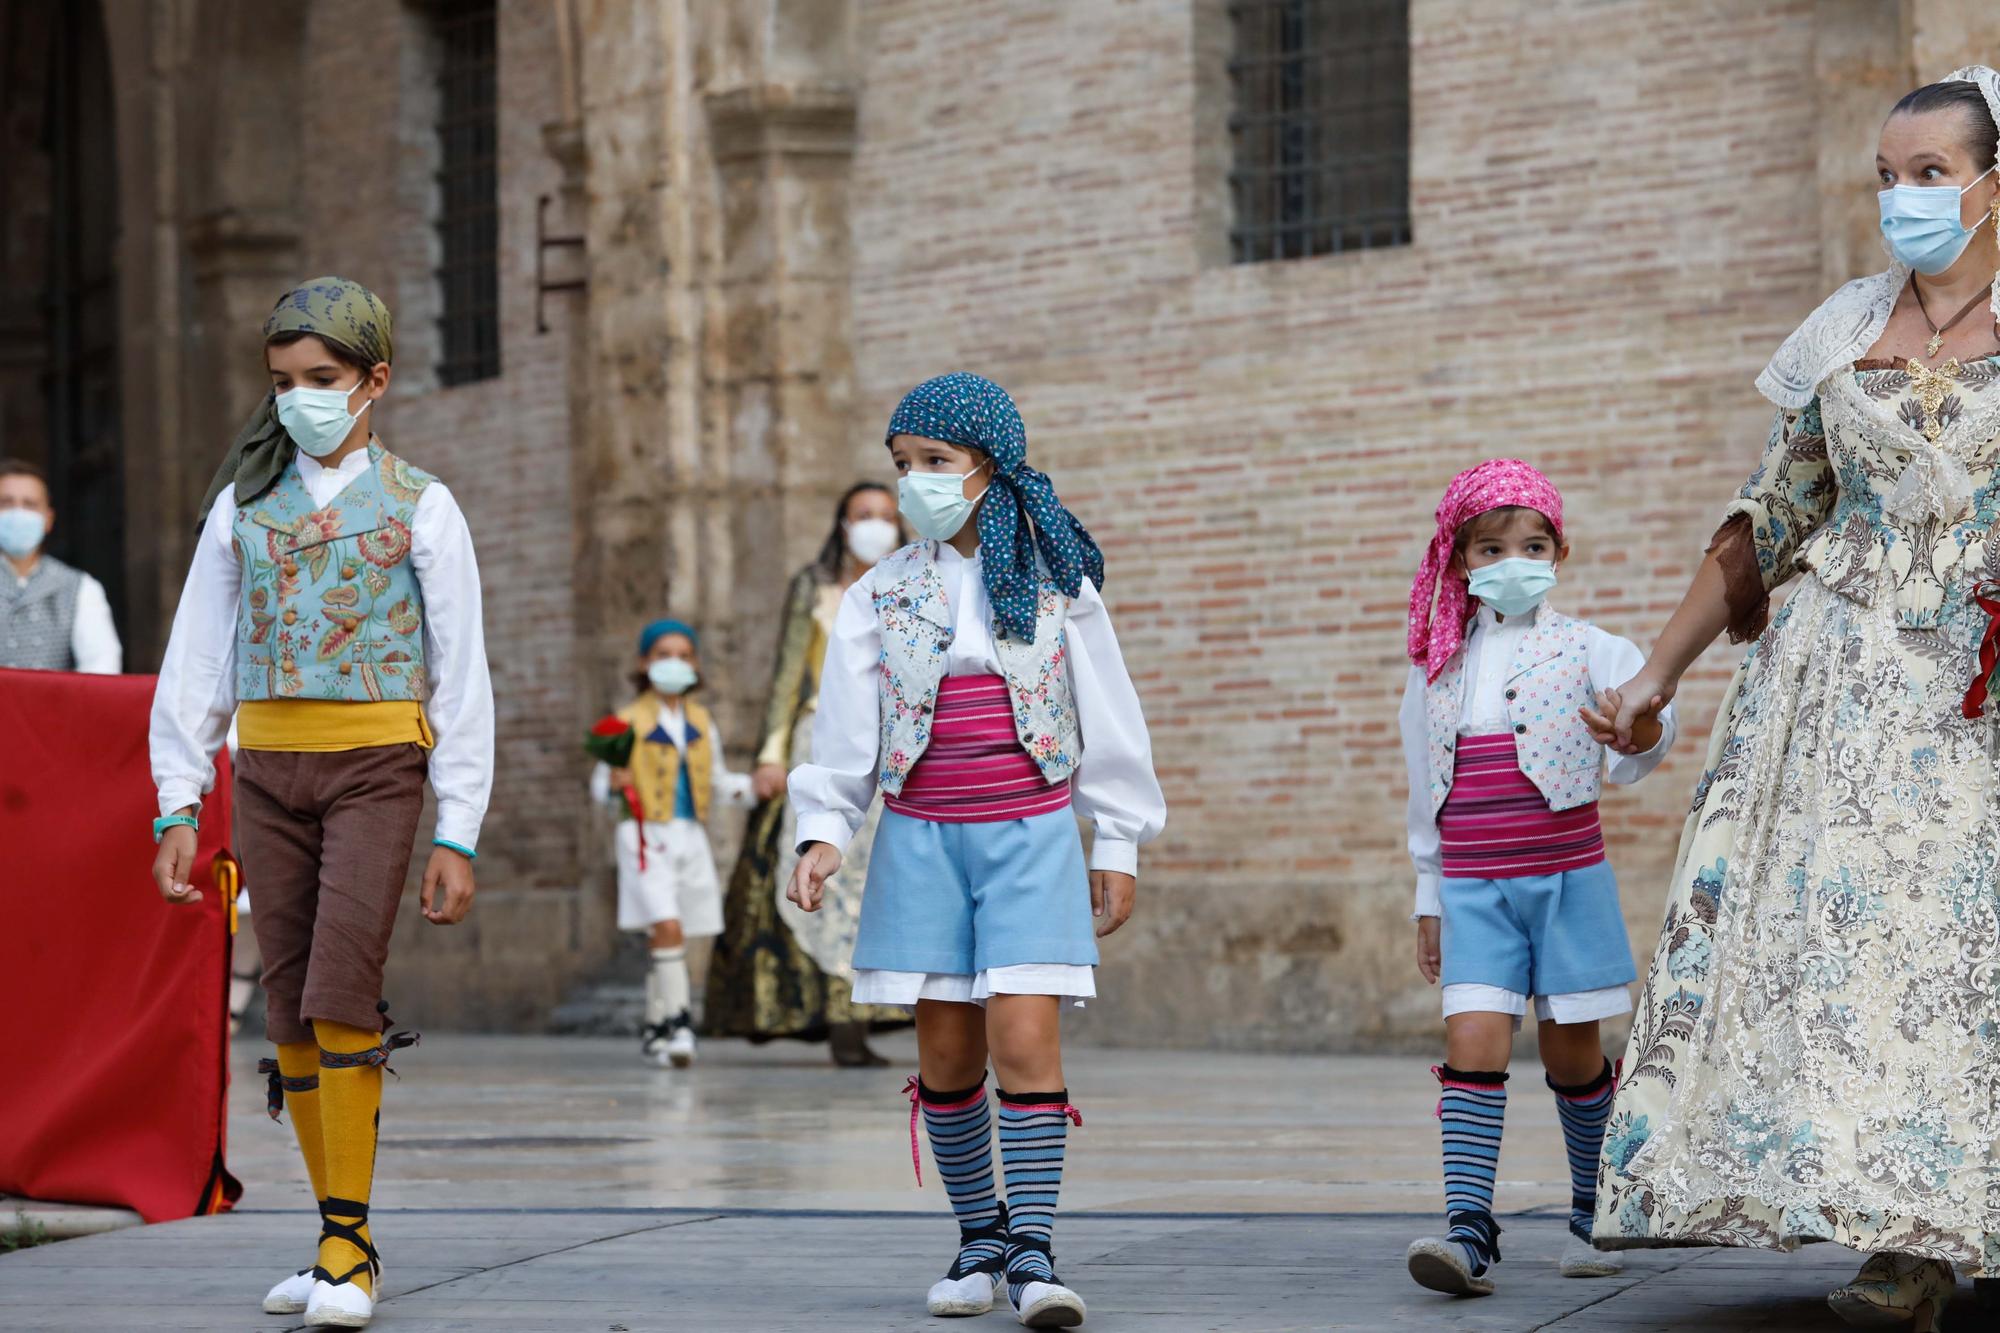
1817	1052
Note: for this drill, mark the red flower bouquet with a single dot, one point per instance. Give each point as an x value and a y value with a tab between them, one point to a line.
610	742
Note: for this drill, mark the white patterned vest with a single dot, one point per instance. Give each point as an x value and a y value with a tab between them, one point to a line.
1547	682
916	622
37	617
330	607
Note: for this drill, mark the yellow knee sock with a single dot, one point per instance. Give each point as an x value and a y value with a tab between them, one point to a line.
299	1060
350	1104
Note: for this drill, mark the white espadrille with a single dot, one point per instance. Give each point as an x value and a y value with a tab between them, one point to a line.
291	1295
1047	1305
339	1305
1439	1264
952	1297
1582	1259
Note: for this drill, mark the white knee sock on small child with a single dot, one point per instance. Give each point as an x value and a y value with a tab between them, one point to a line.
667	991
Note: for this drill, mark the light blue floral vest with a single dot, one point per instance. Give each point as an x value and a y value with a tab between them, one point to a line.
1547	682
916	621
330	607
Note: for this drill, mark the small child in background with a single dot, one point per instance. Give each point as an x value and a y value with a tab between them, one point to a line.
667	885
1504	721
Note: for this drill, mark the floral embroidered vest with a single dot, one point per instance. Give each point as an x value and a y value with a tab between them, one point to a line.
1548	681
656	760
917	629
330	607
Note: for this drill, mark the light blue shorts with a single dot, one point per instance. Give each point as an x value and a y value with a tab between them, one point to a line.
962	898
1538	935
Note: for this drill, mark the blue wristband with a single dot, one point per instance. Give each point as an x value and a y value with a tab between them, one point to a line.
165	822
465	852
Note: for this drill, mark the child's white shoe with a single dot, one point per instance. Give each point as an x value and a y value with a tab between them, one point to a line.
291	1295
951	1297
680	1043
1581	1259
1047	1305
1440	1265
339	1305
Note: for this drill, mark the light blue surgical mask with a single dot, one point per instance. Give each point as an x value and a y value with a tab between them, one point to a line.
671	676
1921	224
318	419
1514	586
935	503
21	531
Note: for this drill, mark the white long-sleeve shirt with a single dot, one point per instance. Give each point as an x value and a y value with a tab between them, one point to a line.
196	697
93	638
730	789
1490	649
1114	786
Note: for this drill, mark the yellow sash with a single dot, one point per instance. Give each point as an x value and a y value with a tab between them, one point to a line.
330	724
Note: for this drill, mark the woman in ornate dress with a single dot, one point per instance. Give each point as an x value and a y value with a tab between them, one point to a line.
1817	1054
777	971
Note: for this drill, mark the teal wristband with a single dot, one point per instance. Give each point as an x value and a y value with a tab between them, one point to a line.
465	852
165	822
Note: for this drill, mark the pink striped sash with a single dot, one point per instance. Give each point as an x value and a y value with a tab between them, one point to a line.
1496	824
974	770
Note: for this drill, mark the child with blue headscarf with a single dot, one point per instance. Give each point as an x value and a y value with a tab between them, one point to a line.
974	678
661	758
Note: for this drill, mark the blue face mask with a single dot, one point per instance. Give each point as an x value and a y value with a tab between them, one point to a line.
1515	586
671	676
21	531
1921	224
935	503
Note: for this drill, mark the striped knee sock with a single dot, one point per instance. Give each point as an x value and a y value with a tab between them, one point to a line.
960	1125
1583	1110
1472	1111
1034	1131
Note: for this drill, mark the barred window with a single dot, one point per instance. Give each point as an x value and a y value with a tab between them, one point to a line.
1319	127
468	219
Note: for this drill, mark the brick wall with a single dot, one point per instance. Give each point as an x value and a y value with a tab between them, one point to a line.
1615	223
502	446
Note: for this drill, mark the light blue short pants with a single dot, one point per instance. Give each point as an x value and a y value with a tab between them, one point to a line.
1538	935
962	898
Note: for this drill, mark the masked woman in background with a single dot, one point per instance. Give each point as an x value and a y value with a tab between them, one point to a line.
778	971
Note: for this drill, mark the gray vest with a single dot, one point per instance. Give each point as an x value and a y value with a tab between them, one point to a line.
36	617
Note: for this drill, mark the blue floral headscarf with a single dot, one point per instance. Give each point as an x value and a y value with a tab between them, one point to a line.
1021	514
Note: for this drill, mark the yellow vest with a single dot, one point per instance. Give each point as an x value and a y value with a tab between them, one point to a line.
656	764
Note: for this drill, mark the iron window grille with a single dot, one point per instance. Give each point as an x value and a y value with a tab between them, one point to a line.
468	220
1319	127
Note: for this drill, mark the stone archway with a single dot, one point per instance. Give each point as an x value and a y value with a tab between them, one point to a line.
60	404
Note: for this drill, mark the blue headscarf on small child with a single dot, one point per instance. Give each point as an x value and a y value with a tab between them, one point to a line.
1021	512
660	629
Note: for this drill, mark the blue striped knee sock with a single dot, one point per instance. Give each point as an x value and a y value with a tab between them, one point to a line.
1034	1130
1472	1111
1583	1110
960	1126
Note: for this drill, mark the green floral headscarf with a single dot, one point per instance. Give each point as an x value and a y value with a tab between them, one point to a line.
334	309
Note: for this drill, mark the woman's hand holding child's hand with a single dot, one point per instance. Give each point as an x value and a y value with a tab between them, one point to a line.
1625	724
817	865
1427	948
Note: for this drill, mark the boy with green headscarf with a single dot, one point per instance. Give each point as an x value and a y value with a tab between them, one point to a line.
332	611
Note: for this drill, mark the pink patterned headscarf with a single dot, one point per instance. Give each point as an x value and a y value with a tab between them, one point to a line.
1494	484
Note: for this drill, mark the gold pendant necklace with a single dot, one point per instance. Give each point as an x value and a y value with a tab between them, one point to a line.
1937	333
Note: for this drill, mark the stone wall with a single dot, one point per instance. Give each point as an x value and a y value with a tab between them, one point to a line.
794	209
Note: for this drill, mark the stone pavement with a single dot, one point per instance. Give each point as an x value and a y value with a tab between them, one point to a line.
554	1184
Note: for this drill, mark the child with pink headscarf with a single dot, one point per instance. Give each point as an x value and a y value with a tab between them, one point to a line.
1505	725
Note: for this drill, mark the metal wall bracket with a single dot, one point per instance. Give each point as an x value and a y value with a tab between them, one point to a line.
543	244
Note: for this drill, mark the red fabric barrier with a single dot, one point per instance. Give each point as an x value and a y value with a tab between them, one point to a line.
114	1026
